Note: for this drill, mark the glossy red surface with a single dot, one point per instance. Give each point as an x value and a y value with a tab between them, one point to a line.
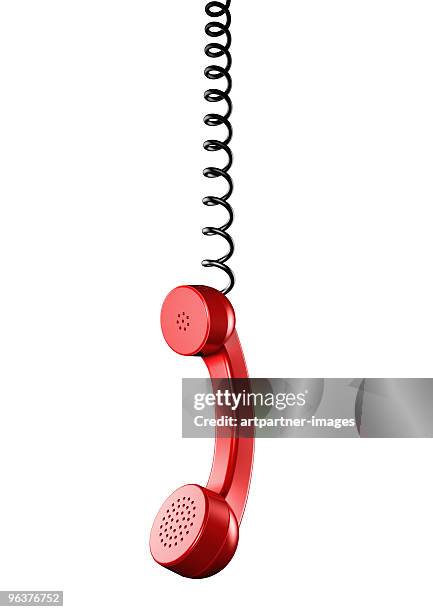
201	543
196	320
195	533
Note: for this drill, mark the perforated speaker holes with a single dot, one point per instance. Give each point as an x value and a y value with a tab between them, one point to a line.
176	521
183	321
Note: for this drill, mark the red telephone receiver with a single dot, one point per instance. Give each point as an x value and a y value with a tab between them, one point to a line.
196	531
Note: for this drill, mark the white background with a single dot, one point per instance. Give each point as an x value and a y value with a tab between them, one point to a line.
100	157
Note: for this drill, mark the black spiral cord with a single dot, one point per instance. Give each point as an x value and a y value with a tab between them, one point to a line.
213	50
